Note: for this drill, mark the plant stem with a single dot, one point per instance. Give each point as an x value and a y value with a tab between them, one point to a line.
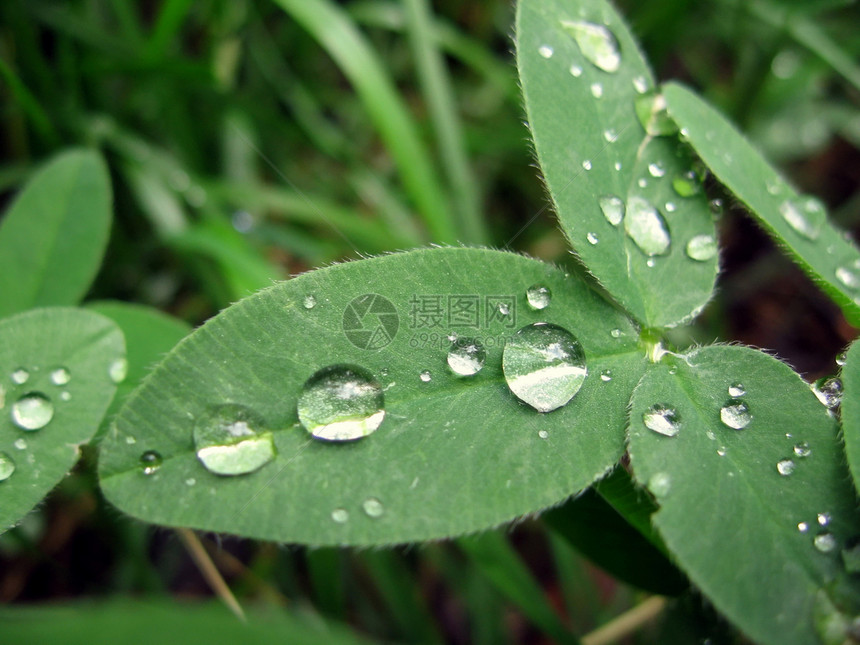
626	623
210	571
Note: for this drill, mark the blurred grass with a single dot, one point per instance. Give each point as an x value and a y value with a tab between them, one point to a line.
249	140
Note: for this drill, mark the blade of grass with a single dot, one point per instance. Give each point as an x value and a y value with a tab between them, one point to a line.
210	571
166	27
338	35
29	104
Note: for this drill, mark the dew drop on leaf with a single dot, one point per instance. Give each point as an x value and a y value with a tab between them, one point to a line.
118	370
229	440
613	209
616	333
646	227
659	484
372	507
828	390
803	527
592	238
841	357
823	519
7	466
849	276
610	135
596	90
805	216
722	451
309	302
466	356
340	515
503	308
662	419
20	376
802	449
425	376
640	84
716	207
60	376
20	443
655	169
575	71
544	365
785	467
538	297
737	389
596	42
686	184
825	542
33	411
150	462
606	376
586	164
670	207
545	51
701	248
341	403
65	396
736	414
543	434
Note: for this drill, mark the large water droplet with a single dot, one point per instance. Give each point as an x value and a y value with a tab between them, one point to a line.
785	467
646	227
841	358
805	216
825	542
597	44
60	376
20	376
828	390
32	411
659	484
466	356
613	209
687	184
373	507
736	414
229	440
150	462
538	297
118	370
7	466
702	248
653	115
544	365
341	403
545	51
662	419
736	390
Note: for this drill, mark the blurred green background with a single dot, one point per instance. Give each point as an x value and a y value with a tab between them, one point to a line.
249	140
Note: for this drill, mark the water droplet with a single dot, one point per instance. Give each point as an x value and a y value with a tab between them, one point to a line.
20	376
828	390
7	466
60	376
803	527
190	481
656	169
597	44
544	365
650	263
617	165
825	542
646	227
229	440
642	182
65	395
21	444
309	302
575	71
616	333
242	221
736	414
426	376
785	467
118	370
543	434
805	216
341	403
340	515
736	390
849	276
702	248
504	308
686	184
130	440
586	164
670	207
823	519
538	297
596	90
802	449
659	484
610	135
150	462
841	357
662	419
546	51
613	209
592	238
466	356
653	115
716	207
640	84
722	451
32	411
851	555
606	376
373	507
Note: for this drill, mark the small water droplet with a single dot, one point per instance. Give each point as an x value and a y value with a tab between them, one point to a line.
702	248
606	376
825	542
32	411
617	165
662	419
130	440
503	308
20	376
543	434
616	333
597	44
229	440
610	135
150	462
613	209
736	414
823	519
242	221
65	395
686	184
803	527
544	365
596	90
7	466
785	467
716	207
118	370
426	376
849	276
60	376
722	451
373	507
466	356
670	207
660	484
805	216
642	182
640	84
841	357
646	227
575	71
309	302
538	297
341	403
340	515
802	449
592	238
586	164
21	444
190	481
828	390
656	169
736	390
